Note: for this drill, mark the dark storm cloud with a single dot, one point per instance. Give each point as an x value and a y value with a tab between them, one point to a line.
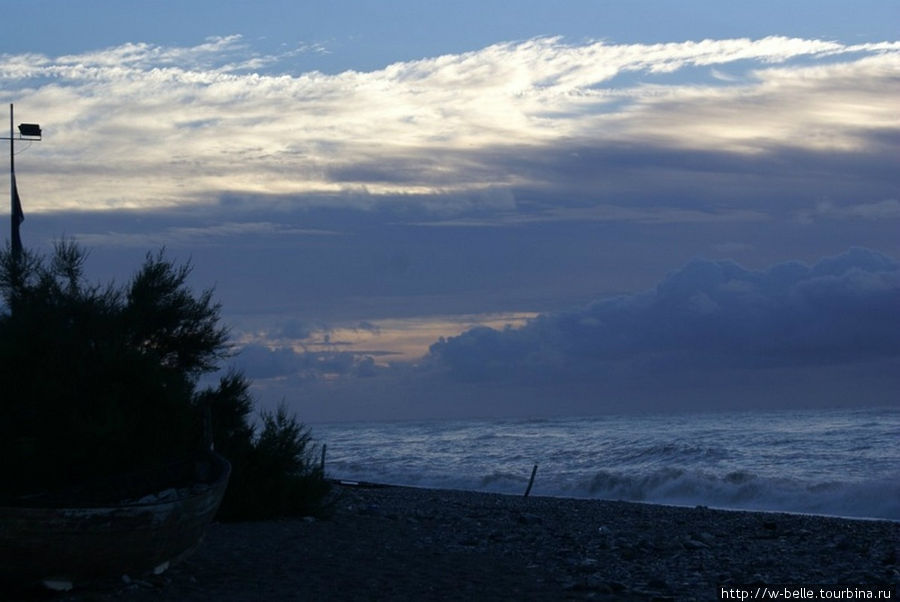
705	316
641	176
259	362
316	266
534	182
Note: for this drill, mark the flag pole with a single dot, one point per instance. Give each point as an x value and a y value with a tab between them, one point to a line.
29	132
12	187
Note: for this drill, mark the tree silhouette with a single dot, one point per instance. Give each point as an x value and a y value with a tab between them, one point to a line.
101	380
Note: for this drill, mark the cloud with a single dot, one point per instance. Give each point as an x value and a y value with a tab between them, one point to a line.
603	213
711	334
141	125
888	209
261	363
709	315
304	350
209	234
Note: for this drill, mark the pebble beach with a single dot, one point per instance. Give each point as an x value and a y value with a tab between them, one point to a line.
400	543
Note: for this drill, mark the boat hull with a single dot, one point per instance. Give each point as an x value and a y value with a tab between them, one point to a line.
81	543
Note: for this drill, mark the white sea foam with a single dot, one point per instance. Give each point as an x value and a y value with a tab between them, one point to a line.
837	462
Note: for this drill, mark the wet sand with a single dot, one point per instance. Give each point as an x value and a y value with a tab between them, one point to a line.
397	543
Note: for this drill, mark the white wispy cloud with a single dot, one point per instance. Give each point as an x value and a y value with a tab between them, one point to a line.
140	125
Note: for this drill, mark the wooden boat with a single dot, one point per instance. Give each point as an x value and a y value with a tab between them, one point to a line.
131	525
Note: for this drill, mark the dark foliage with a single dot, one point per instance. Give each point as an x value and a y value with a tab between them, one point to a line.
102	380
275	470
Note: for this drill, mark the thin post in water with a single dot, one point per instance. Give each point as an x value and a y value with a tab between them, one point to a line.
531	480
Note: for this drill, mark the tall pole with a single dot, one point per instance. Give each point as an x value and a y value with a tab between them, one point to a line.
13	228
15	206
30	131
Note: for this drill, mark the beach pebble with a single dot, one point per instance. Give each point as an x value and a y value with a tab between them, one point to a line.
692	544
527	518
707	538
456	545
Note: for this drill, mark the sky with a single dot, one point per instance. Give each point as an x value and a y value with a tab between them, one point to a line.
441	210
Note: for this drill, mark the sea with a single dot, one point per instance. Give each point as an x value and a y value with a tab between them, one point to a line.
838	462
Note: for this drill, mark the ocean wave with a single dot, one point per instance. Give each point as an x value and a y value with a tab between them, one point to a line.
775	461
501	479
670	452
741	490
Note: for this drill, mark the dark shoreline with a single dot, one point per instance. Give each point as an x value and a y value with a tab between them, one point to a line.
377	485
404	543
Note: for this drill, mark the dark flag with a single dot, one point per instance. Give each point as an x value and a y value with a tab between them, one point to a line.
17	218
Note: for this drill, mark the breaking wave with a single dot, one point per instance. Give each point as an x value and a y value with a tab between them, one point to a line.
746	491
834	462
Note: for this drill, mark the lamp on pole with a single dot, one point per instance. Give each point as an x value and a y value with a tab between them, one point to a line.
30	132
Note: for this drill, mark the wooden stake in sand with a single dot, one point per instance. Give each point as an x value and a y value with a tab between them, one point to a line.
322	463
531	480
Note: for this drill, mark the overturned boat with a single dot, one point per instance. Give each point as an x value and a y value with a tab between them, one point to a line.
133	525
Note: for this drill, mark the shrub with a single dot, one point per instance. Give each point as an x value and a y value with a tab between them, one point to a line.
275	469
103	380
